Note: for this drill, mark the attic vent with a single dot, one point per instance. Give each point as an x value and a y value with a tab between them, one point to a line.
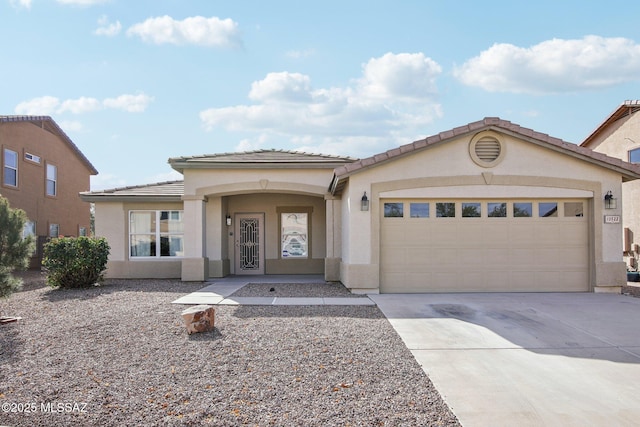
486	149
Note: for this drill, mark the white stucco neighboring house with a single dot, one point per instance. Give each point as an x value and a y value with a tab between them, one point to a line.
486	207
619	136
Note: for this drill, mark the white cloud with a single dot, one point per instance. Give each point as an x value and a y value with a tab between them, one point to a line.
80	105
43	106
282	87
197	30
129	103
554	66
400	76
106	28
49	105
390	104
20	4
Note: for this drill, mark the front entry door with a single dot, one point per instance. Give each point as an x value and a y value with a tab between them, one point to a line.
249	243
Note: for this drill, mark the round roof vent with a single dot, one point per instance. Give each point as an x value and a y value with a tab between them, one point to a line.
486	149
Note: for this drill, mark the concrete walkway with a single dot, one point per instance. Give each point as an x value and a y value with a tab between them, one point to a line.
526	359
218	292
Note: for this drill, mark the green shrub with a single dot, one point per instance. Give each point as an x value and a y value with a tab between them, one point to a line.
75	262
14	249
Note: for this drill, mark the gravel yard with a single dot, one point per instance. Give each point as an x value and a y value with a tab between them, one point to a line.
120	355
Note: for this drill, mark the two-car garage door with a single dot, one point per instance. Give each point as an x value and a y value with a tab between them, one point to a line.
484	245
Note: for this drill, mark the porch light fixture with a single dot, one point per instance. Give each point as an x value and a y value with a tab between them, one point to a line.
228	219
364	202
610	202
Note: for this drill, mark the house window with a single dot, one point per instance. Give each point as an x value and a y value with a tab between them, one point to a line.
294	234
10	168
156	233
634	155
29	229
54	230
82	231
32	158
52	180
393	210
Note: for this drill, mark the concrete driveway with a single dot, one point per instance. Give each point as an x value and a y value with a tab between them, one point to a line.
526	359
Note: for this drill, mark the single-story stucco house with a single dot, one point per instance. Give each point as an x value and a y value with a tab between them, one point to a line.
486	207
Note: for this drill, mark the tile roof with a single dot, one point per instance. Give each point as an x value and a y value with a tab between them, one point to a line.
628	170
165	191
48	124
627	108
259	159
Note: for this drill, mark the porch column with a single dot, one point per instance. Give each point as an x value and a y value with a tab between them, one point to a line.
195	264
333	207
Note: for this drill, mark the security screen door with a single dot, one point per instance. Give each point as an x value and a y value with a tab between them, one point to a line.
249	243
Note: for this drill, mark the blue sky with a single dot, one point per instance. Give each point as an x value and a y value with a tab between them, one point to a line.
138	81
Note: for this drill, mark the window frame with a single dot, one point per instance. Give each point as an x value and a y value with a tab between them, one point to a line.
295	210
52	180
6	166
157	234
631	152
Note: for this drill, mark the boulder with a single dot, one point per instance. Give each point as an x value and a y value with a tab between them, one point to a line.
199	318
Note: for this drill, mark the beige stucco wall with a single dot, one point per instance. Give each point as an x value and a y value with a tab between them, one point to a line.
111	219
527	170
232	191
616	141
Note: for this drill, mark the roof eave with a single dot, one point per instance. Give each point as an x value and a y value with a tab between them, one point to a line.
99	198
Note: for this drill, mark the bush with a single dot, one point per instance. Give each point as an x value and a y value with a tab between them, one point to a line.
75	262
14	249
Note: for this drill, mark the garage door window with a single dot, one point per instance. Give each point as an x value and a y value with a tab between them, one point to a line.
497	210
547	209
471	210
522	210
445	210
573	209
393	210
419	210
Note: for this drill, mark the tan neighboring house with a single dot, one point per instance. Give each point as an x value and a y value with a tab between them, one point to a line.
619	136
43	172
485	207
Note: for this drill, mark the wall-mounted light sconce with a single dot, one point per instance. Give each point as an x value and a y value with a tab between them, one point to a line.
364	202
228	219
610	202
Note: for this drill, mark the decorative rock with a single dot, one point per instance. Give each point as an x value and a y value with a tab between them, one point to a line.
199	318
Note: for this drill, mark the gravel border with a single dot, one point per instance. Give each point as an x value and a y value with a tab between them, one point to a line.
122	350
299	290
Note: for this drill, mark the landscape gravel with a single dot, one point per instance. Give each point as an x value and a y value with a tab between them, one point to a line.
119	355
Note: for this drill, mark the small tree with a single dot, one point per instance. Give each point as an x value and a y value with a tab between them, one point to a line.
15	250
75	262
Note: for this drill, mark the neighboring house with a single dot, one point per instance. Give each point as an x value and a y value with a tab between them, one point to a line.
42	173
489	206
619	136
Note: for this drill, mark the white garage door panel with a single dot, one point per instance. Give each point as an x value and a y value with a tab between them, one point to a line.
484	254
